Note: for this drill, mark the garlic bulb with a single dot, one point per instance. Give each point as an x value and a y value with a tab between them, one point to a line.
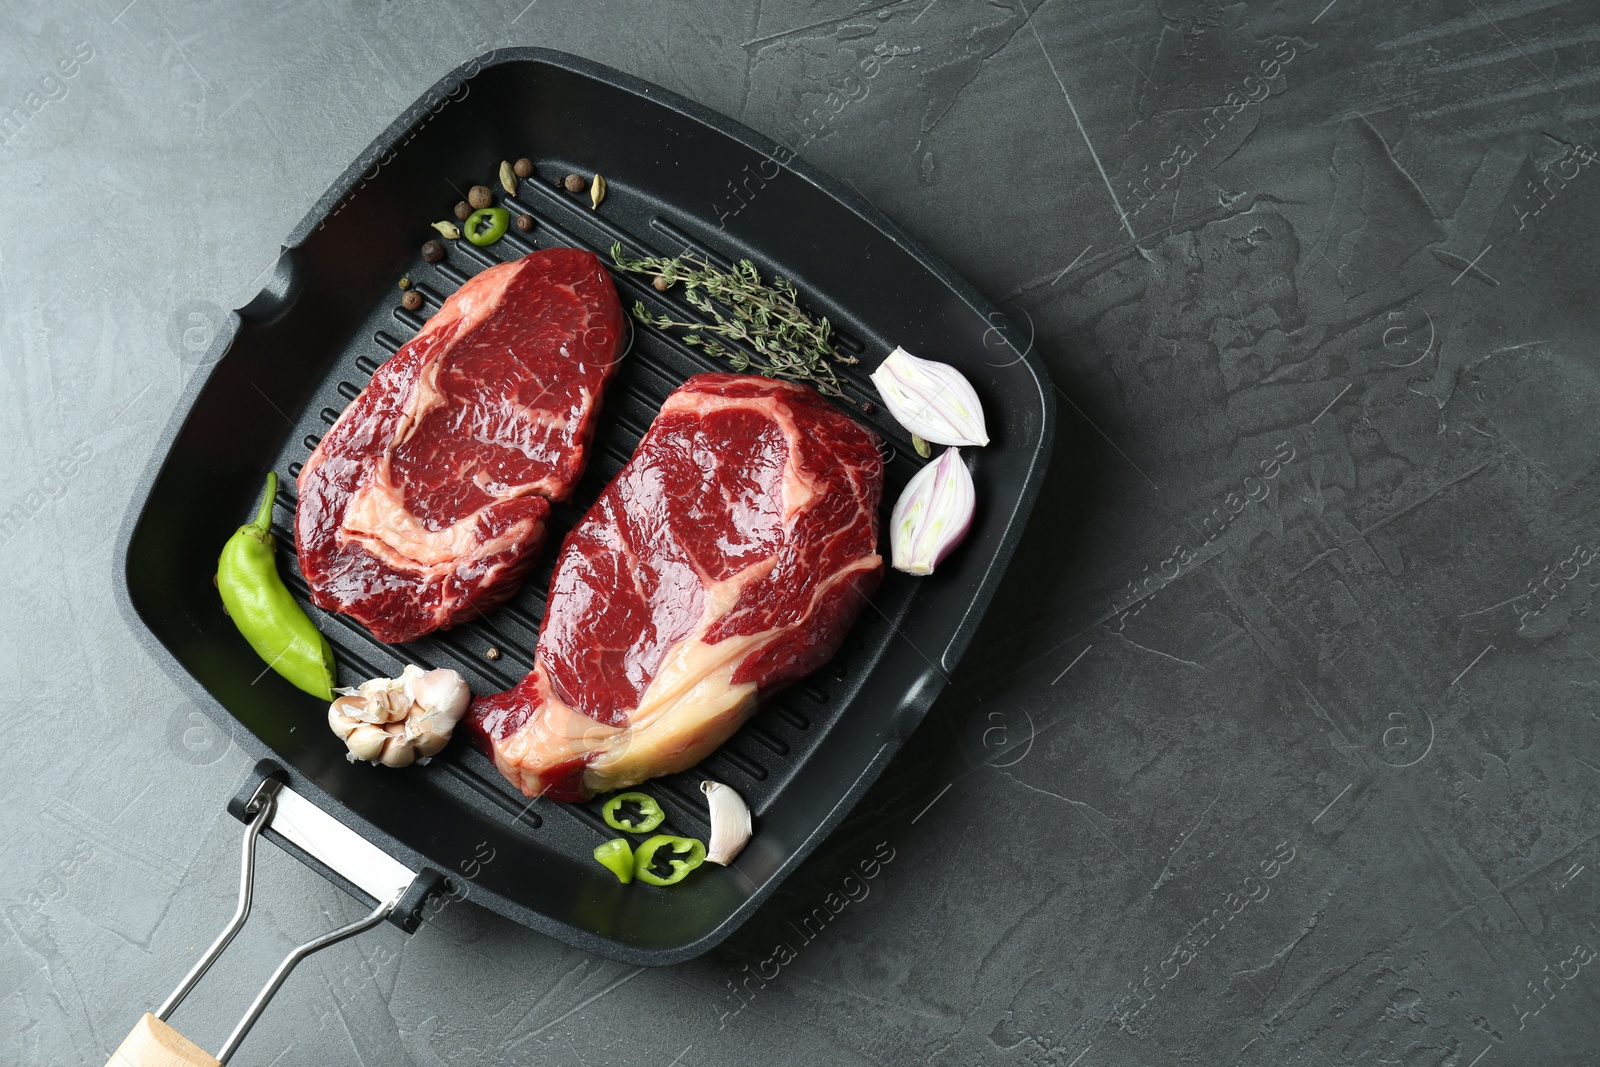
730	822
395	721
932	515
932	400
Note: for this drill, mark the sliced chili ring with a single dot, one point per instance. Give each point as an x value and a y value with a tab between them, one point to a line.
650	813
685	854
486	225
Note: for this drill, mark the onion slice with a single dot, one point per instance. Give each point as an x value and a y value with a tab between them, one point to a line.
932	400
932	515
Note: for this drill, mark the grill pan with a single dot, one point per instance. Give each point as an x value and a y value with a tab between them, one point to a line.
283	367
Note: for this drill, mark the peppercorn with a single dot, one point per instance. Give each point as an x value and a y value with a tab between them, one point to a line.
463	209
479	197
661	284
405	283
575	183
523	167
433	251
412	300
491	653
524	223
868	407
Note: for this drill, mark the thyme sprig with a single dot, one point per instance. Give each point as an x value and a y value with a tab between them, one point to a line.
786	340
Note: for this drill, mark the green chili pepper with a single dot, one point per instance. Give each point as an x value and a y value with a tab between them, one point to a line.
650	813
494	221
686	855
265	612
617	856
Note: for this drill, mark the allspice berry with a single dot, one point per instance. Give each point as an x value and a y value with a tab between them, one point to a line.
479	197
661	284
412	300
524	223
433	251
463	209
523	168
575	183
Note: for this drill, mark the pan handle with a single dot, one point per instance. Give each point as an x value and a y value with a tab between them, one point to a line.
154	1043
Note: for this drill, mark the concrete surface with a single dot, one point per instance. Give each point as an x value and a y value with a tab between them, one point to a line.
1282	742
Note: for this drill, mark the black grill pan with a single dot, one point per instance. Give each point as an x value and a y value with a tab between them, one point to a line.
288	362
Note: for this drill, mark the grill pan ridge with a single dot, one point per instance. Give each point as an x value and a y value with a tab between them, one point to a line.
287	364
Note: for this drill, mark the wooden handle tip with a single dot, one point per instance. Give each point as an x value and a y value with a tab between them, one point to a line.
152	1043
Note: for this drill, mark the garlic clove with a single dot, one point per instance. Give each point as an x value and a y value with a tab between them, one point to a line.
429	745
934	401
933	514
344	714
443	692
382	700
366	742
397	750
730	822
443	697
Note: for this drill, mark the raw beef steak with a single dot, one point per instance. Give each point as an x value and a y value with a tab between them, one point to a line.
424	505
729	557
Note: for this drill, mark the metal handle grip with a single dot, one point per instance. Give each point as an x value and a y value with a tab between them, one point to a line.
261	807
154	1043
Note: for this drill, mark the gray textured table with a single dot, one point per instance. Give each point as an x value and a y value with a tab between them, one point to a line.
1281	744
